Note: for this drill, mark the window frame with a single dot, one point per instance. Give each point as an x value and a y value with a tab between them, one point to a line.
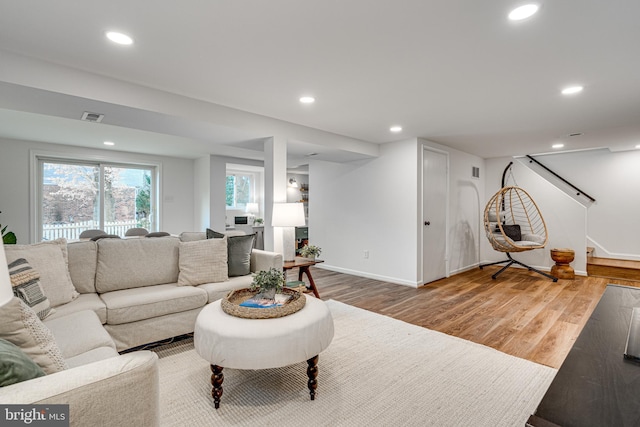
37	158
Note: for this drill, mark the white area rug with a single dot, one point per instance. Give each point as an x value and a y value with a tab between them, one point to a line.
378	371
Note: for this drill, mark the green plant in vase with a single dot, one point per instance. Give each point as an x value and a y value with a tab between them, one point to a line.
258	221
267	283
310	251
8	237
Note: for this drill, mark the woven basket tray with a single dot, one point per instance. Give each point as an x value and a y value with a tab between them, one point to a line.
230	305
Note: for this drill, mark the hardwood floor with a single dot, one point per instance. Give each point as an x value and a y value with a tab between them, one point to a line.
520	313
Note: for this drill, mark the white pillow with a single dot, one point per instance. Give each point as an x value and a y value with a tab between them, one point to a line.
203	261
50	260
20	325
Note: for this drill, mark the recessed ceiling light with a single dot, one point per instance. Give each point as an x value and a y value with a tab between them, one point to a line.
558	145
109	143
638	146
523	12
119	38
307	100
395	129
570	90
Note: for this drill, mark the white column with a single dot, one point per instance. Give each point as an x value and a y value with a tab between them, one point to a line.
275	188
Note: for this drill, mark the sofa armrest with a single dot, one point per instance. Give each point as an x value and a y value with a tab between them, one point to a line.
118	391
264	260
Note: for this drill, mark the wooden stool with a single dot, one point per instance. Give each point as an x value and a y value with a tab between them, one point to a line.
562	269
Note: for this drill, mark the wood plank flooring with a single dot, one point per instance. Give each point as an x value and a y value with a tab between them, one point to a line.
521	313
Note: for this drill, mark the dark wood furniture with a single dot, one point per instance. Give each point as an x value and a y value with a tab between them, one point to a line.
595	385
303	265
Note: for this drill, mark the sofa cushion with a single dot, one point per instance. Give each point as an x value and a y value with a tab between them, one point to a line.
84	324
20	325
202	261
15	365
215	291
83	302
130	305
50	259
91	356
238	251
83	258
25	281
192	236
239	254
134	263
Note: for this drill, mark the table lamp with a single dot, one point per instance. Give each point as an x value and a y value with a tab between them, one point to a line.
252	209
6	291
288	216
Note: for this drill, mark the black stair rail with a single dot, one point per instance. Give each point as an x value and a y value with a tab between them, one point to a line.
579	191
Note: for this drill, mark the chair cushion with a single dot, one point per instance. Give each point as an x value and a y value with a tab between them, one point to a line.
130	305
25	281
202	261
20	325
512	232
50	260
15	365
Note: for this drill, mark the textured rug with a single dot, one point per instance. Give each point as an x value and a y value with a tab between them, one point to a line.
378	371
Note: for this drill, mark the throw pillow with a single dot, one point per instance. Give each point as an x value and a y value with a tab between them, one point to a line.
202	261
26	286
15	366
214	234
20	326
50	260
513	232
239	254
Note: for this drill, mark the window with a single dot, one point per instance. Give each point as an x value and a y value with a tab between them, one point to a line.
77	196
240	190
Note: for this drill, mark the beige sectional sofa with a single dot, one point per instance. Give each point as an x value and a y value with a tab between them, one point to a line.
124	293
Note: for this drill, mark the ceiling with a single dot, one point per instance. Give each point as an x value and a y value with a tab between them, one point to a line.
456	72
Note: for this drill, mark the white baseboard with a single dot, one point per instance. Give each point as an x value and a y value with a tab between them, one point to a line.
369	275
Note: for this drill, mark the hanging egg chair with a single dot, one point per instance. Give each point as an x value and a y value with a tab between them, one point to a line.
513	223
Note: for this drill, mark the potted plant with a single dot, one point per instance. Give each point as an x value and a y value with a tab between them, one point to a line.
310	251
268	283
258	221
8	237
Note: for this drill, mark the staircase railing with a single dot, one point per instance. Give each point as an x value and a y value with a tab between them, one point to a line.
579	191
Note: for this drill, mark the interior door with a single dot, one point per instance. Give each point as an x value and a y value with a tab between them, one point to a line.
435	178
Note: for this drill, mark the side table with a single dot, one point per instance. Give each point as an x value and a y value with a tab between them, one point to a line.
303	264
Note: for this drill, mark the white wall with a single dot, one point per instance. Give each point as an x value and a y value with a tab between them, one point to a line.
465	208
566	219
176	198
375	206
613	179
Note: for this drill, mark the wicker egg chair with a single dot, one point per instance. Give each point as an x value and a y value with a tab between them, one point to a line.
513	223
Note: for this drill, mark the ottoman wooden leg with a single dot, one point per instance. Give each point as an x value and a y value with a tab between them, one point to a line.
312	373
216	381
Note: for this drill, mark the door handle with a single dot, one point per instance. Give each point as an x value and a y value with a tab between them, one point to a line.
427	223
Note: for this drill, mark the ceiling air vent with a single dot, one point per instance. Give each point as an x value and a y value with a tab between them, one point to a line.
92	117
475	172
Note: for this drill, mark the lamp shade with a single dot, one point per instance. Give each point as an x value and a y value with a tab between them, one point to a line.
6	291
288	215
252	208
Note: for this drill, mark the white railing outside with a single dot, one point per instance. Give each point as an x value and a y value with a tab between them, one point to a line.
72	231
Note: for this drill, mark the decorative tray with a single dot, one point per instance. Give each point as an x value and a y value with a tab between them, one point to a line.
231	305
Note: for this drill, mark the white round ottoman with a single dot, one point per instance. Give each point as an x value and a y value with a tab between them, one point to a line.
233	342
